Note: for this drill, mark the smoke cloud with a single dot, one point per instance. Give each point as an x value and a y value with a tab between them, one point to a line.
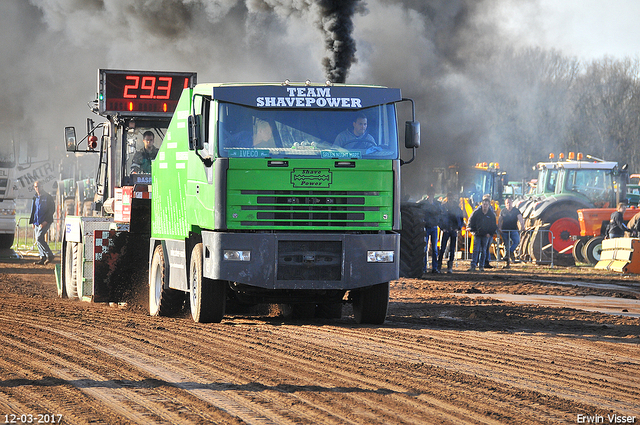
51	51
337	24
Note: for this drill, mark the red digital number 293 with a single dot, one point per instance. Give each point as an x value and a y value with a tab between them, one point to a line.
161	91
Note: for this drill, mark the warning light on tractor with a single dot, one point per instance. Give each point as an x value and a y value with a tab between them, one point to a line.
92	142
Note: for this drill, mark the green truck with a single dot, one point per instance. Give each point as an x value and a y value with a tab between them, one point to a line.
276	193
272	193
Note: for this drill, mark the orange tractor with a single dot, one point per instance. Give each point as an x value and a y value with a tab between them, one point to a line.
593	225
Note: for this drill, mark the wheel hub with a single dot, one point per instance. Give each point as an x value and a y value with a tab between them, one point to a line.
562	230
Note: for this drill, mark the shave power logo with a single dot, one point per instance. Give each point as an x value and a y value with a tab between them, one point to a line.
311	177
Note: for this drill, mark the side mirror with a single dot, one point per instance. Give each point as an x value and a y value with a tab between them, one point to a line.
195	141
412	134
70	138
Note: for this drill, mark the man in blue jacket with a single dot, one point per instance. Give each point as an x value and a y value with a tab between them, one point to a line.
41	218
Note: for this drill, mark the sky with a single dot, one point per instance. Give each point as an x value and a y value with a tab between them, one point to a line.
587	29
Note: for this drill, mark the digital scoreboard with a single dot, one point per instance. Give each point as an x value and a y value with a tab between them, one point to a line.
141	93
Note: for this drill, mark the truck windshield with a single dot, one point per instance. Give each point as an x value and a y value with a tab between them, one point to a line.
247	132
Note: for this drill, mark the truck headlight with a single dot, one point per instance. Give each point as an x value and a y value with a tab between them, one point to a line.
236	255
7	211
380	256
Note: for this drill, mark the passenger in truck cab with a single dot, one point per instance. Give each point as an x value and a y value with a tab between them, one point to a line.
263	135
357	137
142	159
259	136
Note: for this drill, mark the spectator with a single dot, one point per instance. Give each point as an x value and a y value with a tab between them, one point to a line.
451	222
482	224
634	226
616	226
509	224
42	209
432	217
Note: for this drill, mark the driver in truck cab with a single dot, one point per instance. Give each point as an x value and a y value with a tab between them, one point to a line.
358	134
141	162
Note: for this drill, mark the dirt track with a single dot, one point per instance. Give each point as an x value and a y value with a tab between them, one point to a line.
439	358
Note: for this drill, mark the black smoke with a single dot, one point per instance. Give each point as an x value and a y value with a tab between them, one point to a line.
336	21
51	51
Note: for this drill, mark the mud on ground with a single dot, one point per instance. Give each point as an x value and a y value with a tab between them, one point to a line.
442	356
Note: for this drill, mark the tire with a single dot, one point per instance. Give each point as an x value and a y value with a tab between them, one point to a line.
163	301
69	273
523	248
412	241
208	297
370	304
78	265
563	225
539	247
577	251
6	241
70	289
592	250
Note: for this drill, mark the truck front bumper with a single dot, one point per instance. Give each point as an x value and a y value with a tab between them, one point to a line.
302	261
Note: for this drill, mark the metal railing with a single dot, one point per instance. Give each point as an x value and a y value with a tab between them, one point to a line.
24	242
544	250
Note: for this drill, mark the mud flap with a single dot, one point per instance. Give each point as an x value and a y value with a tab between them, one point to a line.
120	265
58	273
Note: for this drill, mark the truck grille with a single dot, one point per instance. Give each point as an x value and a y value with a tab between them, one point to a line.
4	184
310	208
310	260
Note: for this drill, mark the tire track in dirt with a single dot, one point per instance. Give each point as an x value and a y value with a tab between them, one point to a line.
340	373
423	397
250	411
519	364
167	371
131	398
378	409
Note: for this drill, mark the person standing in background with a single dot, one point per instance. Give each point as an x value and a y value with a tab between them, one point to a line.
451	223
42	209
509	223
432	217
482	224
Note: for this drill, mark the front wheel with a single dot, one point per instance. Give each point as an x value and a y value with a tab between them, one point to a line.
577	251
163	301
592	249
69	274
370	304
208	297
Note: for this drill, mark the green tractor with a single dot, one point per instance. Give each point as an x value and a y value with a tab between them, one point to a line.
552	218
